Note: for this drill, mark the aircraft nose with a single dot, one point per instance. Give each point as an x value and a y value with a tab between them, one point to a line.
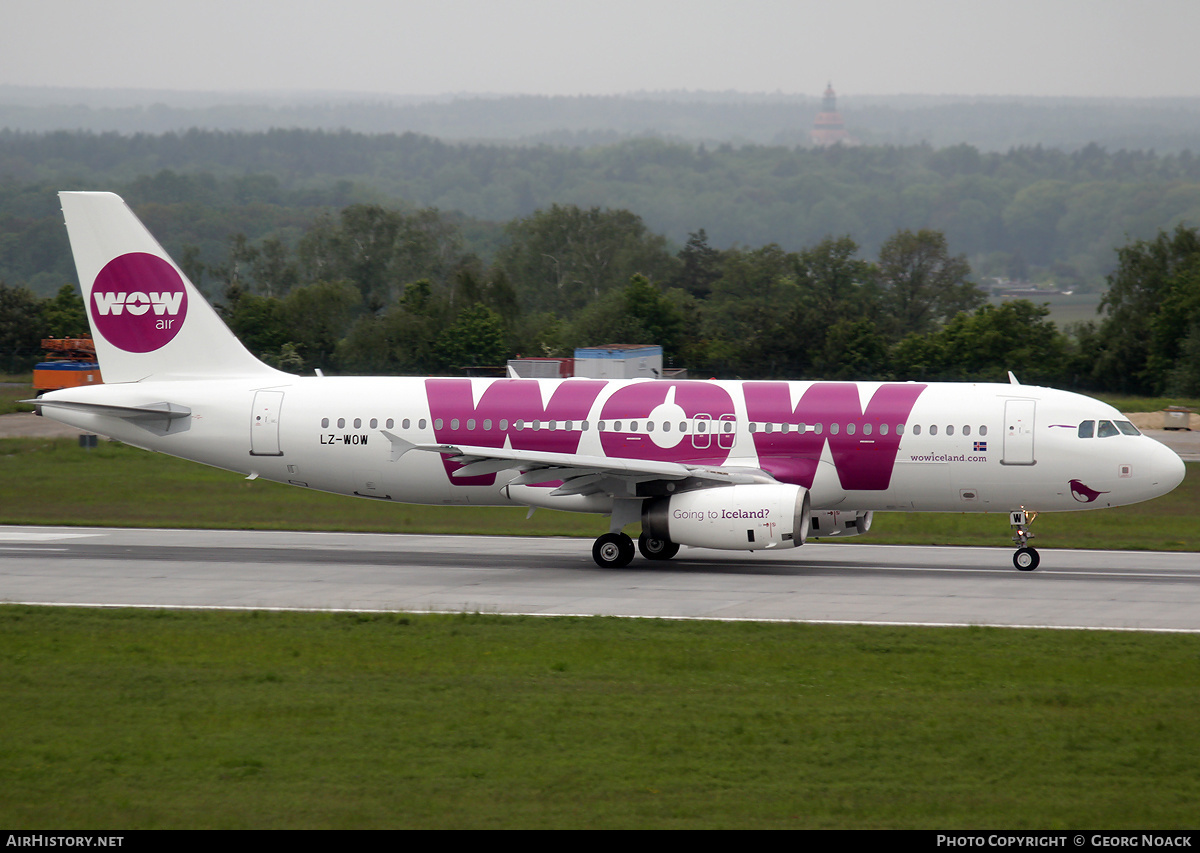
1168	469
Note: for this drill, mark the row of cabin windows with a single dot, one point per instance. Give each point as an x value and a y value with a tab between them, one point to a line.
699	426
390	423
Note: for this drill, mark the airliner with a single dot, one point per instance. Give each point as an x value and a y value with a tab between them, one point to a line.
734	465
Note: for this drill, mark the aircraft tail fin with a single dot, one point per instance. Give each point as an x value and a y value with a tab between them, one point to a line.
147	319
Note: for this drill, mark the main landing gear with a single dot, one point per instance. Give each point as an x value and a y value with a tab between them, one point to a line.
1026	559
657	549
615	550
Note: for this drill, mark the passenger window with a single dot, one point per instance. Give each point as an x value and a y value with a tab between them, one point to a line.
583	426
866	429
437	424
1087	429
374	423
341	423
504	425
471	424
1106	430
834	429
966	430
753	427
899	429
850	429
487	423
950	429
916	429
421	424
933	430
358	423
324	423
454	423
883	429
983	430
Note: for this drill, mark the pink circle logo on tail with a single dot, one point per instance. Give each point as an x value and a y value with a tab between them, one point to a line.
138	302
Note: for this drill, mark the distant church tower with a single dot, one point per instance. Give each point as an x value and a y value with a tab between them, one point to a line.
829	129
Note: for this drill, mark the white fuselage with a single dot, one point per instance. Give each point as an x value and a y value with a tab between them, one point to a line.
939	447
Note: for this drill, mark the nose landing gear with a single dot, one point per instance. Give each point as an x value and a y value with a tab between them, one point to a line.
1026	559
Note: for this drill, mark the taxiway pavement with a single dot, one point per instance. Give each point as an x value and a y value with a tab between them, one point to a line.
844	582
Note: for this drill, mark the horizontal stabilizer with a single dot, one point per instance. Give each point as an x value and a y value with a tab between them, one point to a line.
152	411
158	418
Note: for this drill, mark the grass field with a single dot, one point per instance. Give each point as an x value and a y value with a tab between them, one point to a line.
45	481
12	389
227	720
165	719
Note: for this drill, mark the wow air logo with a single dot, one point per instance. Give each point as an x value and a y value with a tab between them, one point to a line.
863	452
138	302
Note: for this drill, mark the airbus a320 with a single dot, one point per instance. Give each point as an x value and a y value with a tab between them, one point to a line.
733	465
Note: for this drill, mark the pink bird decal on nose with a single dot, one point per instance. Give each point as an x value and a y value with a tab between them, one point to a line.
1084	494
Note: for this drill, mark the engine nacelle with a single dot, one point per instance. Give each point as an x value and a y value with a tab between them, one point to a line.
834	522
751	517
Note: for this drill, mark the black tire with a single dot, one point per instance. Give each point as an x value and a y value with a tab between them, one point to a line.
657	549
613	551
1026	559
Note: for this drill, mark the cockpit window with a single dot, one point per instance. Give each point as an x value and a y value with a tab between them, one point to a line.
1107	429
1087	429
1127	428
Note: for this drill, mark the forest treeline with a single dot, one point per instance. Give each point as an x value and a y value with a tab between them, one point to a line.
988	123
1037	213
371	289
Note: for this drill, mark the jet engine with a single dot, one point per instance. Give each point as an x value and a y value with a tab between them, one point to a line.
833	522
750	517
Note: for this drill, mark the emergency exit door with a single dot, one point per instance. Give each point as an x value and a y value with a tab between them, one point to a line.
264	423
1018	432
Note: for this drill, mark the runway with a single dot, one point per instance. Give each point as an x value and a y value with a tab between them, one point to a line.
845	582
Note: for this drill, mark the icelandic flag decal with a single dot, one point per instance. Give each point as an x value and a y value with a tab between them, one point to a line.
980	446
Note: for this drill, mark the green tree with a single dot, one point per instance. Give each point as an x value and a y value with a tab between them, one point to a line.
638	314
260	322
317	317
985	345
923	284
64	316
21	329
700	265
477	339
1150	310
562	258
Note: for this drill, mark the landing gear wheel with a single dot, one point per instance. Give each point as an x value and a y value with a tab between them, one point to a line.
1026	559
613	551
657	549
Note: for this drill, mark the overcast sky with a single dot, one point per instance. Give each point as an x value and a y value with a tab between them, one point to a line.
966	47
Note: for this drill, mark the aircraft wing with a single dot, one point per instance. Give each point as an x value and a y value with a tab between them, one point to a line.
580	474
